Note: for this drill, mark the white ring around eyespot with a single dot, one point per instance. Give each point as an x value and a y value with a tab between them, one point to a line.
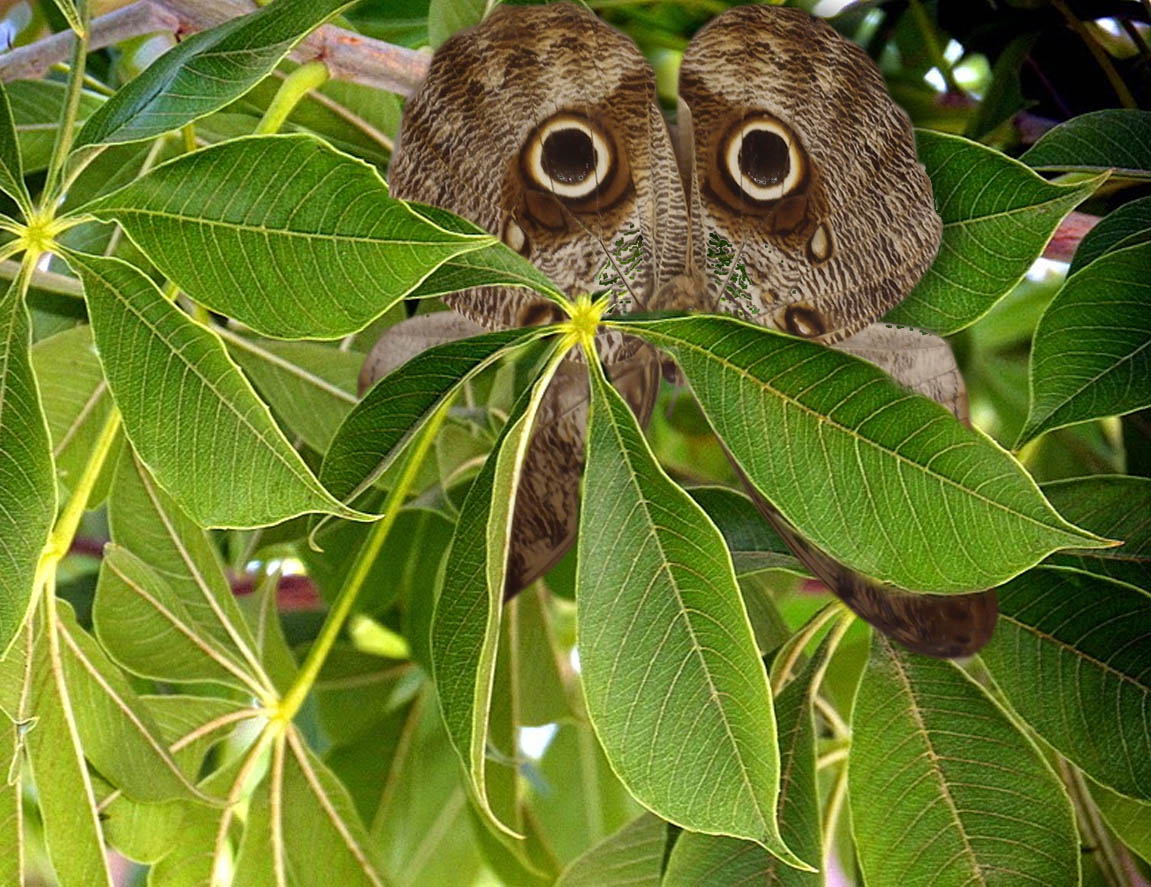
562	189
794	161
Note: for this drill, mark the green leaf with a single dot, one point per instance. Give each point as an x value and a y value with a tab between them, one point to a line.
669	665
753	544
1070	654
1129	819
311	247
1126	226
11	172
884	480
1114	506
75	396
204	72
189	412
632	857
118	733
707	859
312	387
1117	139
997	217
944	789
164	608
445	17
11	807
1092	351
65	796
466	623
36	107
394	410
27	484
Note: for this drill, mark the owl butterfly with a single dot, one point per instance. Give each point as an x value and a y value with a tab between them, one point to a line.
787	193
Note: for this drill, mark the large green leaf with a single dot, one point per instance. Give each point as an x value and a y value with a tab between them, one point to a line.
1070	653
1092	351
674	683
189	412
1129	819
1126	226
944	789
204	72
397	406
1115	506
632	857
311	246
1117	139
882	479
11	172
707	859
997	217
753	544
64	791
36	106
27	484
466	624
11	810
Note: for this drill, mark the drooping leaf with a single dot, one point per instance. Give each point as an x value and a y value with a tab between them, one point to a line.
27	484
65	796
708	859
1118	139
1115	506
397	407
445	17
1070	654
1092	351
164	608
669	664
190	414
118	733
311	387
884	480
997	217
944	789
632	857
11	171
311	247
75	396
1126	226
753	544
466	623
204	72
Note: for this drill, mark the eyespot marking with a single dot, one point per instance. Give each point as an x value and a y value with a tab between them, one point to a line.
568	155
820	246
762	159
799	320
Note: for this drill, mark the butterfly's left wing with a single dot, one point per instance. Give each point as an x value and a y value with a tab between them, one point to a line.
541	125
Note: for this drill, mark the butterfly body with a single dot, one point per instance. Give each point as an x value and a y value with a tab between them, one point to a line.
790	196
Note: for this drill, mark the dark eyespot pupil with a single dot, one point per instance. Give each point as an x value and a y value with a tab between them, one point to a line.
764	158
568	156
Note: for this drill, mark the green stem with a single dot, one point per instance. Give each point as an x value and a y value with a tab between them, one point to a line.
354	582
793	649
65	133
1102	59
309	76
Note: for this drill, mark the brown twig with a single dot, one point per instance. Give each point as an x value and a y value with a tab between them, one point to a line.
349	56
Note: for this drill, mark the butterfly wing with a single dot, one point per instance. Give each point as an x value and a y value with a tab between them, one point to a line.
805	189
541	125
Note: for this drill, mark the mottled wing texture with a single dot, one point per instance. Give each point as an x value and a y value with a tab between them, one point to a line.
805	190
541	125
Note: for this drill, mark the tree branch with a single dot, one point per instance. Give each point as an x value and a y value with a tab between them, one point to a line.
348	56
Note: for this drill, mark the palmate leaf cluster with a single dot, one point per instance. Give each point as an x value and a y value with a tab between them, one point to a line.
178	380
